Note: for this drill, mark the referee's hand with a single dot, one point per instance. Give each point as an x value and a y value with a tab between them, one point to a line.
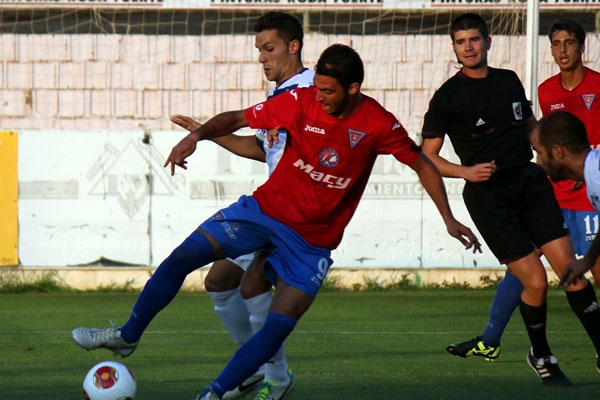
480	172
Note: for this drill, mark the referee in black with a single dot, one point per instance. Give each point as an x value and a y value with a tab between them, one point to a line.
487	117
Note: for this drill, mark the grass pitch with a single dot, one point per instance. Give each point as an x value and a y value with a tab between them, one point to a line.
350	345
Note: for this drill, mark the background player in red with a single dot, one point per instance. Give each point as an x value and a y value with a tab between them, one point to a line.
575	89
303	208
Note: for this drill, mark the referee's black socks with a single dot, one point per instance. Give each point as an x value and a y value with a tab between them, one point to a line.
534	318
585	305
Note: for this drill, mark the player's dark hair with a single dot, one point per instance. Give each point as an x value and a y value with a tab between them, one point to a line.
287	26
342	63
564	129
469	21
573	27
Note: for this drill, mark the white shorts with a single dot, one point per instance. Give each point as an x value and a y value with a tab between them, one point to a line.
243	261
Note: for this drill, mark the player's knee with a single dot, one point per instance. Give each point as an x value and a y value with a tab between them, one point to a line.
191	252
222	276
178	255
177	263
215	284
211	285
537	285
253	285
245	291
250	291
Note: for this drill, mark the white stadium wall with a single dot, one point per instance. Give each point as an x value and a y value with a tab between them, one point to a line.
125	82
92	195
92	115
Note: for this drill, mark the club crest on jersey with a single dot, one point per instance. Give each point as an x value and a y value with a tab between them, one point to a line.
218	215
355	137
256	108
588	99
517	110
329	157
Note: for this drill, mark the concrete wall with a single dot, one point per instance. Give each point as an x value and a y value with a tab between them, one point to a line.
87	196
92	118
137	81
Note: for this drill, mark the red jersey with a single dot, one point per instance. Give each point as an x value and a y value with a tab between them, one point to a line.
584	102
326	164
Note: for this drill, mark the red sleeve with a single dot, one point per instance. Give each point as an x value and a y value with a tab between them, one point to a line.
397	142
543	90
277	111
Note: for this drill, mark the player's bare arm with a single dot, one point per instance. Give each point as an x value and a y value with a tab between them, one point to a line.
475	173
240	145
186	122
219	125
432	182
575	269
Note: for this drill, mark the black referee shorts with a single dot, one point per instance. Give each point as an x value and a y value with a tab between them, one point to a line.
514	211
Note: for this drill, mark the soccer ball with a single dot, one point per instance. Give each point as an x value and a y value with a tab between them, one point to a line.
109	380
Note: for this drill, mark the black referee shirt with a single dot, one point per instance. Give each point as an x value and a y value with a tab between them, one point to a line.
484	118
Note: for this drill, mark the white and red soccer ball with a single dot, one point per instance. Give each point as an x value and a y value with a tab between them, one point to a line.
109	380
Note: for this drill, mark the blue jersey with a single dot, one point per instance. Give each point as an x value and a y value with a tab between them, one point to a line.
583	225
273	154
591	173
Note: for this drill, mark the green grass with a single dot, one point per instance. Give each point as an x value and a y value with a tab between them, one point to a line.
350	345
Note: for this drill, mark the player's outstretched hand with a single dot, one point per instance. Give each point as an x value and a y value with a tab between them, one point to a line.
464	235
480	172
573	271
186	122
181	151
273	136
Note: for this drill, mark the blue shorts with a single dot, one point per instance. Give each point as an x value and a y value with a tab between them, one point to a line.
582	226
243	228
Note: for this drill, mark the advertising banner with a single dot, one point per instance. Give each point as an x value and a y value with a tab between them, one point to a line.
304	4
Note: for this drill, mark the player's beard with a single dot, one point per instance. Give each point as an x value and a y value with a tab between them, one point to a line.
341	107
556	171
